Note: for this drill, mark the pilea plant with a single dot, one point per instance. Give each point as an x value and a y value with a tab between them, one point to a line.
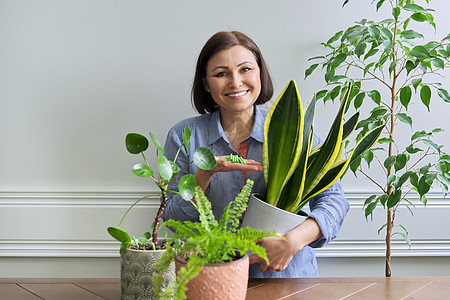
390	53
208	241
167	172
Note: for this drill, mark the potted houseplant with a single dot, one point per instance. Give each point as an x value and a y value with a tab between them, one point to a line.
387	61
211	262
139	255
294	171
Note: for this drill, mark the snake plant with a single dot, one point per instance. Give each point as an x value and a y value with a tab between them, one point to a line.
294	171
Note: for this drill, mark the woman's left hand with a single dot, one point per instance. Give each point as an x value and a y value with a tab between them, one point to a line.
279	252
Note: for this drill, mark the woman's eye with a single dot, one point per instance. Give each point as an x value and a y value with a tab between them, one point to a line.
245	69
221	74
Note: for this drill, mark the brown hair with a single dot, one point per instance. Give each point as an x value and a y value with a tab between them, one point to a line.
201	99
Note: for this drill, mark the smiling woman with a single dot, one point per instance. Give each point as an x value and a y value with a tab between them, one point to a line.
231	80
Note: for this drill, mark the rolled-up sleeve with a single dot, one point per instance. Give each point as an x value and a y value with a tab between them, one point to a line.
329	209
177	208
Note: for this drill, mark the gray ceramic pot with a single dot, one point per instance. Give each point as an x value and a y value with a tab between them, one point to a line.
261	215
136	272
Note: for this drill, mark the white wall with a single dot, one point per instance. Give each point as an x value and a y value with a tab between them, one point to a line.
76	76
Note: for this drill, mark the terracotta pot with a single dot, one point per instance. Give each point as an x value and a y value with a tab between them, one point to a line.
262	215
226	281
136	272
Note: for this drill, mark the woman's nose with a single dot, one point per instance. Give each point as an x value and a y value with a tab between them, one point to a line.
235	81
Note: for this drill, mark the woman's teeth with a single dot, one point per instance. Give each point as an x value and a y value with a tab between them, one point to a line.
237	94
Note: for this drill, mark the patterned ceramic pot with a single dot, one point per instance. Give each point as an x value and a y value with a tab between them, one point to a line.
136	272
262	215
226	281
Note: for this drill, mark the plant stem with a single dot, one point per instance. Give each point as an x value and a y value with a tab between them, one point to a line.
390	220
158	218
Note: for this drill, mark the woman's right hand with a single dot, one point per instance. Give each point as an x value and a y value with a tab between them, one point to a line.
204	176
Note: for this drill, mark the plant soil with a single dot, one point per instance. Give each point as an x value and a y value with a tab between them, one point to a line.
161	246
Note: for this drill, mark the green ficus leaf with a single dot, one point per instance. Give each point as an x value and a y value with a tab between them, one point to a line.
410	34
444	95
405	96
310	70
394	198
360	48
425	96
389	161
416	83
359	100
404	118
338	60
396	12
400	162
375	96
420	52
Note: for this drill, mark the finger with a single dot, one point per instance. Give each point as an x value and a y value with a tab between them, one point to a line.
254	259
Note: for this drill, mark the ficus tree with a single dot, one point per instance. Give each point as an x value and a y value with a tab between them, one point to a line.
391	64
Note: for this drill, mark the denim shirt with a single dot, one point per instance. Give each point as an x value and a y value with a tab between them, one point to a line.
328	208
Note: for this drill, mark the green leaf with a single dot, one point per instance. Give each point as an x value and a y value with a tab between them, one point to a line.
368	157
416	82
405	96
186	138
374	32
283	126
404	118
186	186
414	8
371	52
310	70
156	143
394	198
142	170
204	158
386	33
136	143
375	96
410	65
359	100
385	140
400	162
414	179
338	60
411	149
420	52
119	234
410	34
423	186
335	37
164	167
419	17
360	48
425	96
389	161
396	12
438	63
444	95
432	144
403	178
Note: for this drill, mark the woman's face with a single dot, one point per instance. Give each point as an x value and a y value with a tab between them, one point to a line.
233	79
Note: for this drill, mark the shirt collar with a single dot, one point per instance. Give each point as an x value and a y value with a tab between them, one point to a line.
216	130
